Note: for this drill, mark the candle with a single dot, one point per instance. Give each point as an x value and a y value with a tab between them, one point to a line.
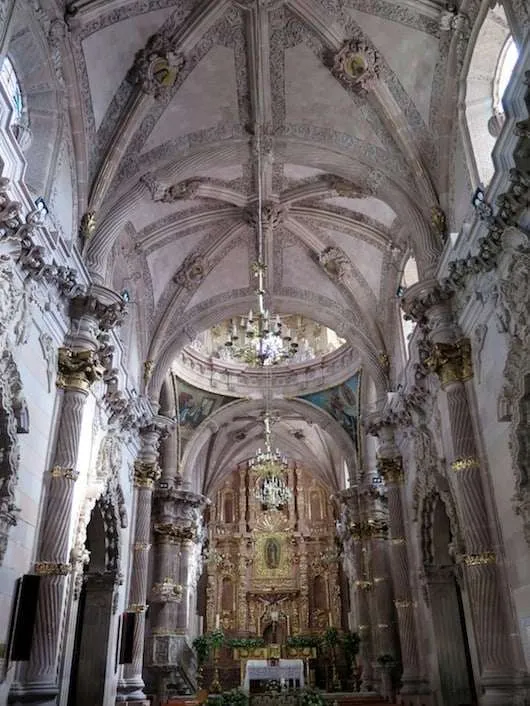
217	621
330	619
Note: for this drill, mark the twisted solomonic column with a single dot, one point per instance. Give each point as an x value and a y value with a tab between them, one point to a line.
78	368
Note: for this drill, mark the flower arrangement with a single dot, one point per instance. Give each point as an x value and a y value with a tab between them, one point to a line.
245	643
304	641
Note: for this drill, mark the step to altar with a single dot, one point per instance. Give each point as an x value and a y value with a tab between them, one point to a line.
354	699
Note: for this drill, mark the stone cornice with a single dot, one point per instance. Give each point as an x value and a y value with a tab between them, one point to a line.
237	380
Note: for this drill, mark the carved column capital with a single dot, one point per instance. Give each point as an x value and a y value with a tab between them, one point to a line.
156	67
78	369
451	361
146	473
419	298
102	304
391	469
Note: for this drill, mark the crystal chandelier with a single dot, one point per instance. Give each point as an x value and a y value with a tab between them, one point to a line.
261	339
270	466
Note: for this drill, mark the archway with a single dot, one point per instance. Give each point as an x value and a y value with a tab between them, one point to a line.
92	643
446	604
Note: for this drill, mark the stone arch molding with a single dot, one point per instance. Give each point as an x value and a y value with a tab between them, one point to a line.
104	488
191	460
13	420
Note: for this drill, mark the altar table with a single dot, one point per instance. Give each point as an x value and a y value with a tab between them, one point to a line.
292	670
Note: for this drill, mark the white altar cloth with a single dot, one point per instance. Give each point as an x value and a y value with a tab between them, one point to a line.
288	669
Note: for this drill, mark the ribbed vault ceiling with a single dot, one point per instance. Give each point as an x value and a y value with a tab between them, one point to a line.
350	176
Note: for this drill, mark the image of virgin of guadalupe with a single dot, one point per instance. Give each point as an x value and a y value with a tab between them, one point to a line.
272	552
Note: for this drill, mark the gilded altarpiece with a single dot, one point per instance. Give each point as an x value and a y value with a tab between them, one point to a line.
272	573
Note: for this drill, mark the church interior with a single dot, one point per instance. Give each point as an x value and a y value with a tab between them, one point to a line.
265	361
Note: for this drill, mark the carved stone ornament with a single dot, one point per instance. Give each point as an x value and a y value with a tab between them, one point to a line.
344	188
16	303
146	473
78	369
187	189
516	391
271	216
357	65
156	67
87	227
336	263
10	398
391	470
17	241
439	222
167	591
451	361
107	315
192	272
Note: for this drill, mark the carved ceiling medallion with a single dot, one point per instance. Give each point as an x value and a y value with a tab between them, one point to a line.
357	65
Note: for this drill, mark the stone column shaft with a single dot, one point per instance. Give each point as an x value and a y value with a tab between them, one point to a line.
77	370
382	589
146	471
391	470
362	588
165	592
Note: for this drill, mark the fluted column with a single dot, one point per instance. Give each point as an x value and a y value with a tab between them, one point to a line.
382	592
391	470
166	591
146	471
77	370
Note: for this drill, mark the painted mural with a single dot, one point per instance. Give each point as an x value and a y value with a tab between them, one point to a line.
195	405
342	402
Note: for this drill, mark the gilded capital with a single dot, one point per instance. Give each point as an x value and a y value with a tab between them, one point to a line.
146	473
451	361
391	469
67	473
78	369
479	559
52	568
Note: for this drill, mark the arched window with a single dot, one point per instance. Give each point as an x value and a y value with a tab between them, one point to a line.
11	85
408	278
491	66
505	66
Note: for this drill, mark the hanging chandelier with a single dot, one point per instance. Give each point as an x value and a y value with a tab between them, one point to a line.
270	466
261	338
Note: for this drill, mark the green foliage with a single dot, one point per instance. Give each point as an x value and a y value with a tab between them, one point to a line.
350	643
216	638
235	697
245	642
331	637
311	697
304	641
201	645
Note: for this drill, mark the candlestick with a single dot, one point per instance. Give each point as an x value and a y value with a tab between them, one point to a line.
330	619
217	621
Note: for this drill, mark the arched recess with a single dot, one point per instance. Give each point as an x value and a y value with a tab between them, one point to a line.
444	593
13	420
95	637
196	457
